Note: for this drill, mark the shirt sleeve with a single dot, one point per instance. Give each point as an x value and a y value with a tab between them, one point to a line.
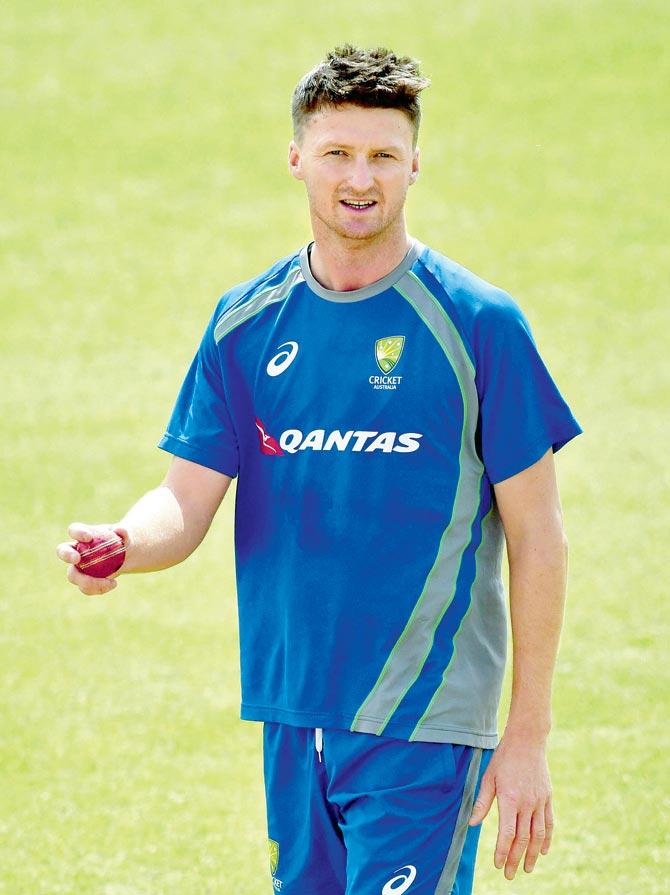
522	412
200	428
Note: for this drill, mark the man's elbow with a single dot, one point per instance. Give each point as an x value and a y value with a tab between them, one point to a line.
540	537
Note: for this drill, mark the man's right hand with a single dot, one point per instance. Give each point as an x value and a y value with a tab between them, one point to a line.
67	552
167	524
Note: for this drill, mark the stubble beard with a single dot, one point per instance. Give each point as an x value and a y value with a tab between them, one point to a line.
336	228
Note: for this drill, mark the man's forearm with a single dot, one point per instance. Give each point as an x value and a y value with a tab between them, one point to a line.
167	524
538	571
159	536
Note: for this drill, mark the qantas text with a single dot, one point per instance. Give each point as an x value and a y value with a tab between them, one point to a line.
292	440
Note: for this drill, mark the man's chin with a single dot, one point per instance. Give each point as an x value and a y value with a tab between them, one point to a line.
360	236
355	231
360	232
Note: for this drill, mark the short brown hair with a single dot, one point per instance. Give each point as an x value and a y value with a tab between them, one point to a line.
373	78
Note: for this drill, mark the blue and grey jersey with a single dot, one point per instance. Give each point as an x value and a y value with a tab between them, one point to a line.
366	430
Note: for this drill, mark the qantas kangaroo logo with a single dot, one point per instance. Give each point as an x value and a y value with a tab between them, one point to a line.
268	444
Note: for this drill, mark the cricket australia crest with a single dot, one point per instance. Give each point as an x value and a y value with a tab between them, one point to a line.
388	351
274	855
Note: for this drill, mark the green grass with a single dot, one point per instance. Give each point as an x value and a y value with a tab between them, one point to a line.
143	155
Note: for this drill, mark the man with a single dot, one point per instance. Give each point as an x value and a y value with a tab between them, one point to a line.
390	422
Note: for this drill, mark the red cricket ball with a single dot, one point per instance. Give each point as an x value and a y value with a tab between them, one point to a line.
101	556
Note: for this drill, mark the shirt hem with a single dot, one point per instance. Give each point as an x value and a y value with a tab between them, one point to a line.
366	724
174	445
535	451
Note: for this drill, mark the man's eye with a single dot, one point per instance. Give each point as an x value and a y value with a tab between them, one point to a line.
385	154
336	152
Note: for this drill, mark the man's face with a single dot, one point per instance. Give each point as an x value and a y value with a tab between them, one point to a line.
350	155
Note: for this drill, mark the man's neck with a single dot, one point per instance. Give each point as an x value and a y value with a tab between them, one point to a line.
344	265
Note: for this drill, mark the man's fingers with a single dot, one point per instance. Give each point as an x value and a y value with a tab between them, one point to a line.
123	533
537	833
67	553
519	844
548	826
487	791
506	830
78	531
92	587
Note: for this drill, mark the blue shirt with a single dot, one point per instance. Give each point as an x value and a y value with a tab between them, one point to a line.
366	430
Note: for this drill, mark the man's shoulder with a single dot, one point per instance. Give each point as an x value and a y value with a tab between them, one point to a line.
271	277
242	300
470	294
482	312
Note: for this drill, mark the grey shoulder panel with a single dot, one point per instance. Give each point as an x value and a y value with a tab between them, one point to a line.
232	317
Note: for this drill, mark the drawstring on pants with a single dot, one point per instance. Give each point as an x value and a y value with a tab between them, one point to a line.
318	740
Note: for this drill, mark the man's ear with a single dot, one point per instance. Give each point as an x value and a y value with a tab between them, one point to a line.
414	173
295	160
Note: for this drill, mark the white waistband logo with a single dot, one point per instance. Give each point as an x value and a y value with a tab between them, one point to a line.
283	360
406	881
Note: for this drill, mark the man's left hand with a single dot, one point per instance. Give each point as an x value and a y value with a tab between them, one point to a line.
518	775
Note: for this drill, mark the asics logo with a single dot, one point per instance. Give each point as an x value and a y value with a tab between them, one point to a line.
405	879
283	360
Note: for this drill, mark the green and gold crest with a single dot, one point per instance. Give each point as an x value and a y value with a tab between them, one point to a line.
388	351
274	855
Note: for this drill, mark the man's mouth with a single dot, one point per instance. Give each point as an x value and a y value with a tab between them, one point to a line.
358	205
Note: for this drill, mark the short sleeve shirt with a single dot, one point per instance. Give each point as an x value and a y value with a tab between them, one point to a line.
366	430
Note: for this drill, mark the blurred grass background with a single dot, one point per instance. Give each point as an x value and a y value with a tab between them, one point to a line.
143	152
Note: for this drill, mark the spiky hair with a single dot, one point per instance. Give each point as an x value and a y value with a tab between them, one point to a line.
373	78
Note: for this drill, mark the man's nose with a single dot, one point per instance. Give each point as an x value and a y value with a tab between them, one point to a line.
361	178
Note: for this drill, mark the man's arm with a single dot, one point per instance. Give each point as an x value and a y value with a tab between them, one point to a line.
161	529
518	774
